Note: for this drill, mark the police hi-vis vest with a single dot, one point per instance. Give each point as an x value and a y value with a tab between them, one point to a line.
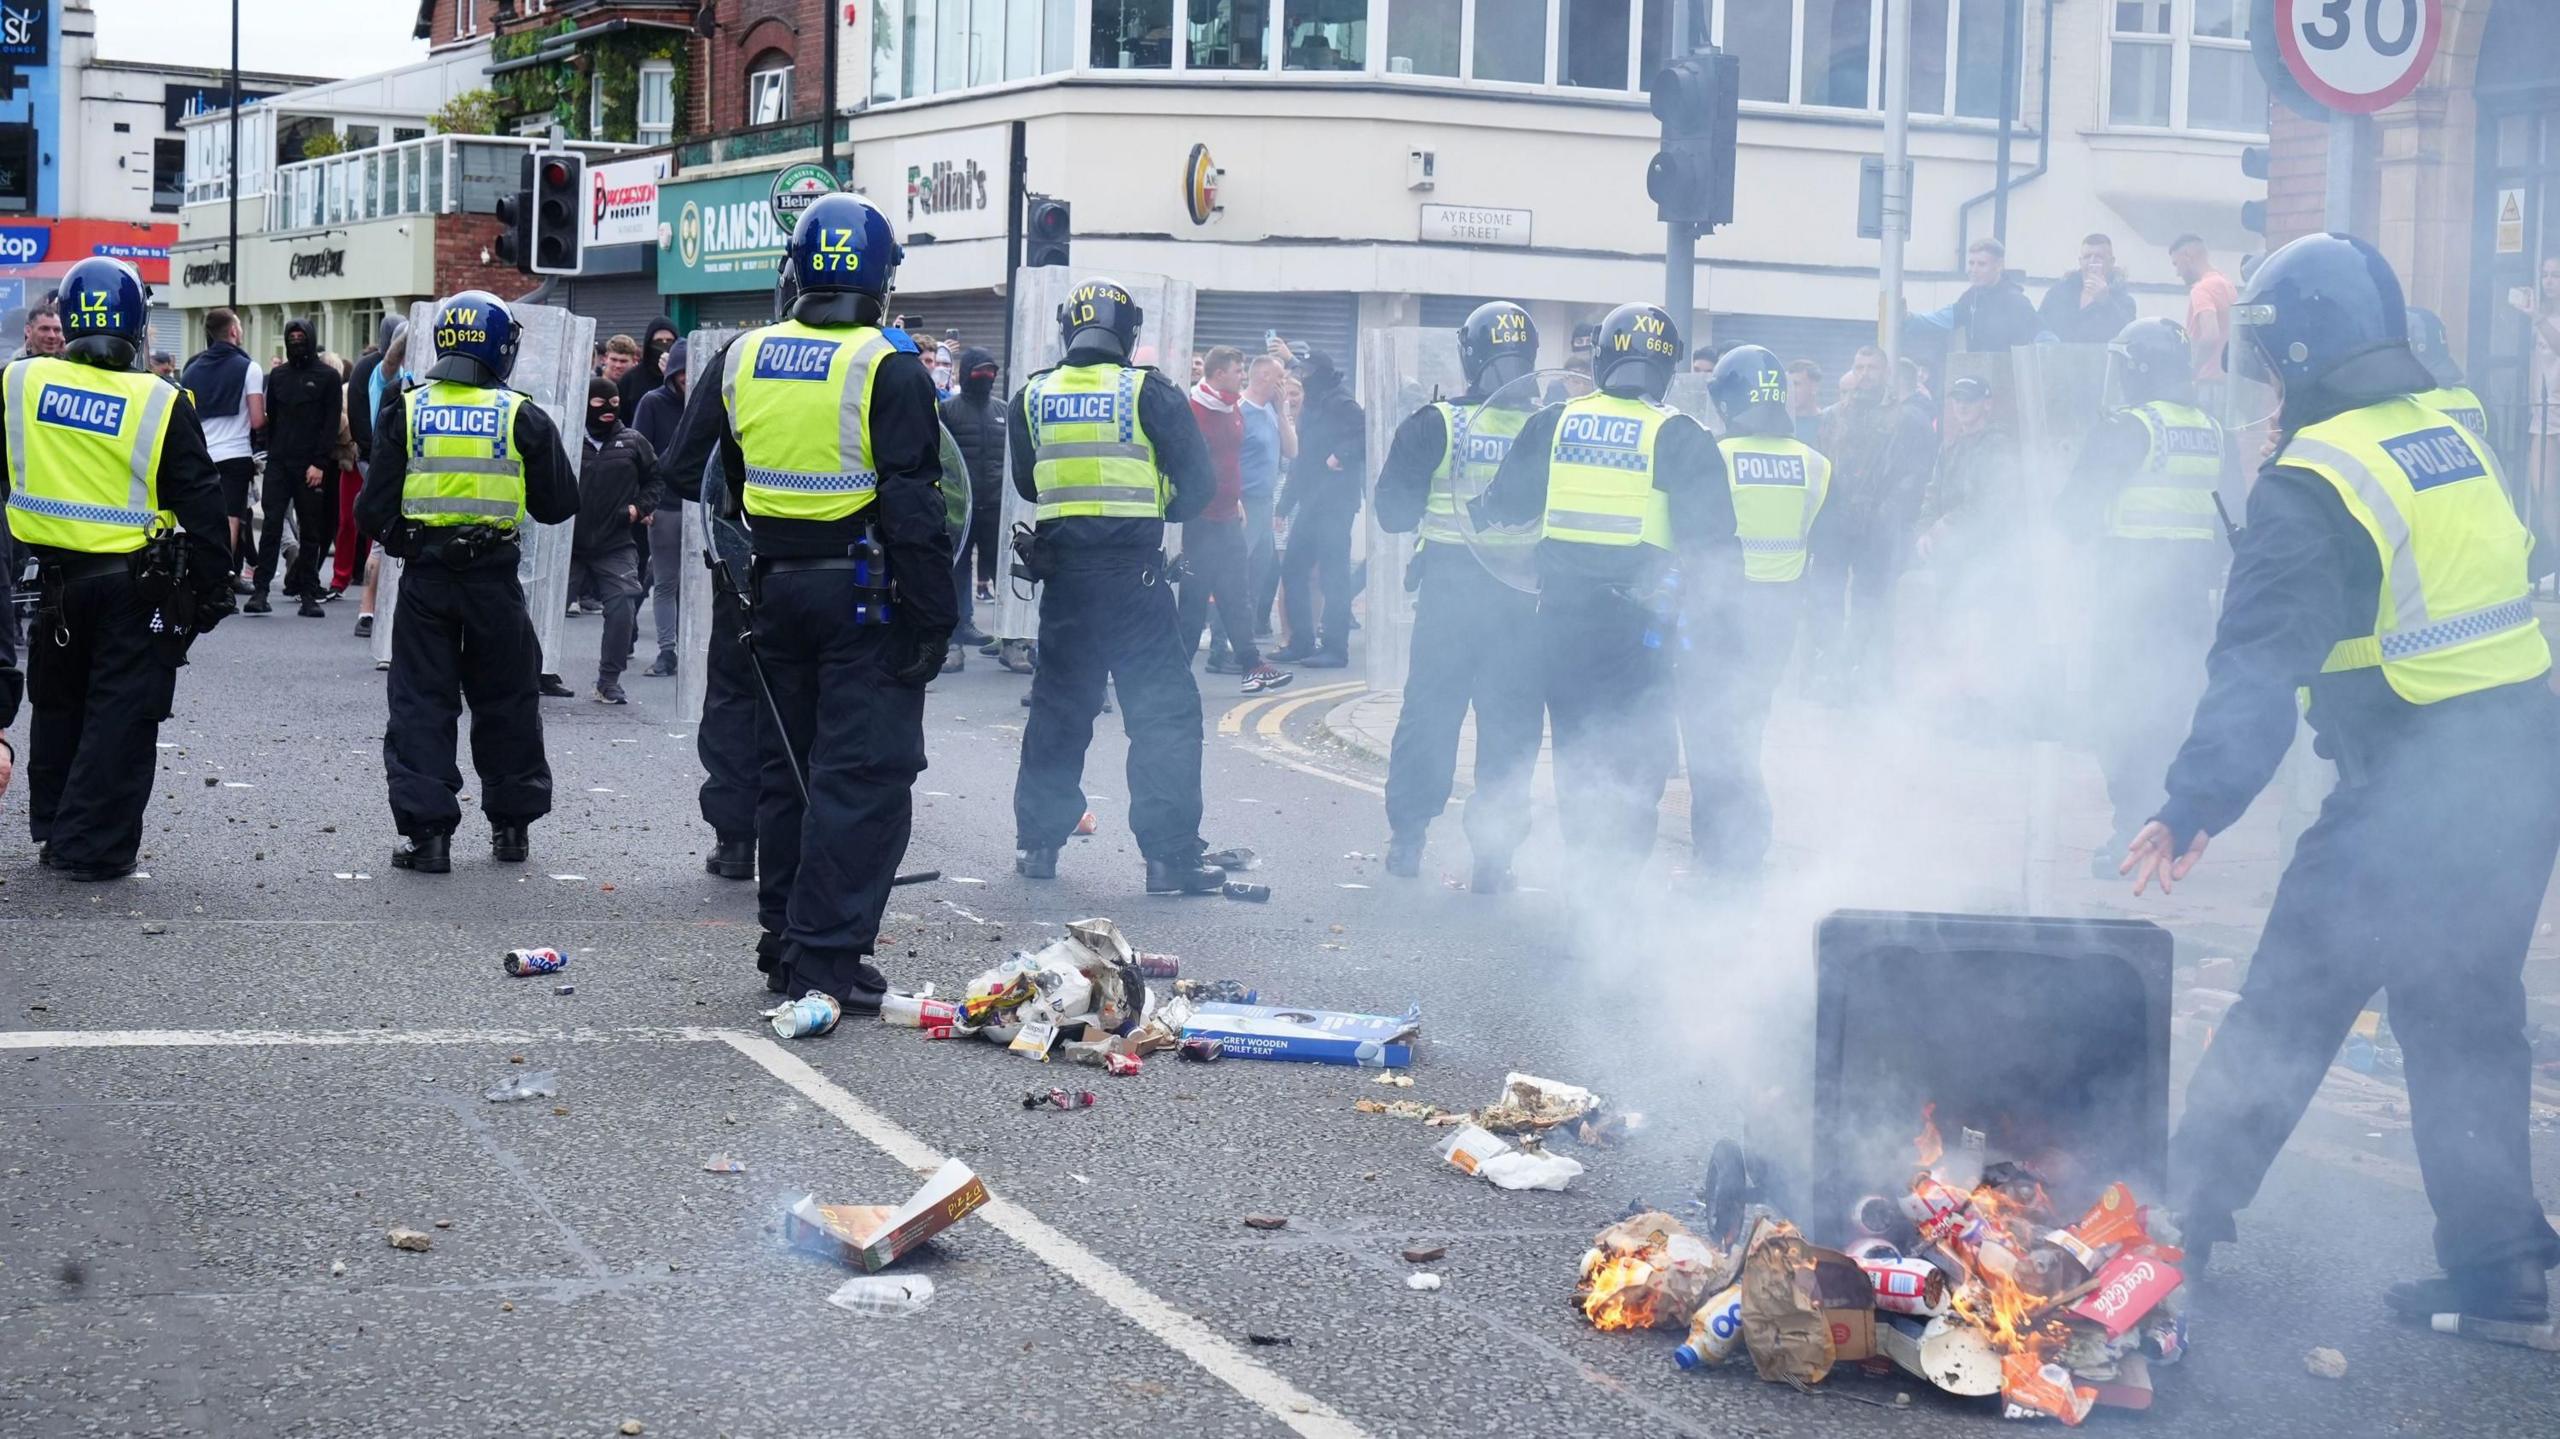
1600	473
464	467
2458	402
799	398
2171	497
1478	440
2454	616
84	454
1778	485
1090	456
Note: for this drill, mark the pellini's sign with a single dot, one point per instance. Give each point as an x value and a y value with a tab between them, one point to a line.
954	181
718	235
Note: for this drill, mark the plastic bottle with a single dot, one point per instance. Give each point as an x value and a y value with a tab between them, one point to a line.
811	1014
520	1086
883	1296
1714	1332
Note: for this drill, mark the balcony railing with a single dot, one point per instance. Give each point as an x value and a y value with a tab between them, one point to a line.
439	175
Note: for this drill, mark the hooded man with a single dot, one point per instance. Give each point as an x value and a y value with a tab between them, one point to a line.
975	418
650	372
305	399
617	486
1320	501
655	420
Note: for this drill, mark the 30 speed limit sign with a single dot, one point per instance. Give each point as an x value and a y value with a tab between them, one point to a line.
2359	56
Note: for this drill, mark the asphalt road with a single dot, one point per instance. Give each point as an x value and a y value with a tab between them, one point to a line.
218	1080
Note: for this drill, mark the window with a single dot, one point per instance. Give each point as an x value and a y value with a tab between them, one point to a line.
1511	40
657	102
986	42
1836	36
1236	34
769	88
1021	39
950	46
1422	37
1326	35
1132	34
168	173
466	18
1762	34
1591	44
362	137
2184	65
595	108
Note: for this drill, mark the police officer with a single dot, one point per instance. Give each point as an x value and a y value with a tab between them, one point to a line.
1107	453
1743	617
103	457
2383	567
460	462
2141	498
2448	395
1466	621
1620	482
828	419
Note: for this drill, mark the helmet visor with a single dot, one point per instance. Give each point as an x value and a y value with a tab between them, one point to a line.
2253	395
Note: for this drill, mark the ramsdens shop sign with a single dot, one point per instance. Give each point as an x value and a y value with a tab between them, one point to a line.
718	234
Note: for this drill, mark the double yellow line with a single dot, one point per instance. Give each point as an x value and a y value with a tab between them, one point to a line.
1269	716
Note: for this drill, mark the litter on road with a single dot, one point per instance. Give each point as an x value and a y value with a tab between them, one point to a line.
1495	1161
1424	1282
875	1236
723	1164
883	1296
415	1241
538	1084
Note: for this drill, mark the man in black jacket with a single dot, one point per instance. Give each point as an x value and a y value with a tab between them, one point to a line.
617	489
975	418
304	399
1993	315
1881	452
1320	501
655	418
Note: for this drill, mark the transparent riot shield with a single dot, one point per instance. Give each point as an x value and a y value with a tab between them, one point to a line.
1504	542
703	351
1687	393
1401	370
1164	342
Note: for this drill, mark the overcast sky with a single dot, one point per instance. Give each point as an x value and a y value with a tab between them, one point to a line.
328	38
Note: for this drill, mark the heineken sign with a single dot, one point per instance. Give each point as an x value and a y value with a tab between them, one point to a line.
796	189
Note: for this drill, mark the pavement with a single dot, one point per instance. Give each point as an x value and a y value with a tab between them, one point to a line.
221	1080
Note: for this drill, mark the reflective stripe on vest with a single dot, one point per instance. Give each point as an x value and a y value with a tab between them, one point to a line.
2459	402
2454	615
1478	440
1090	456
1778	487
1600	473
463	466
84	448
799	399
2172	497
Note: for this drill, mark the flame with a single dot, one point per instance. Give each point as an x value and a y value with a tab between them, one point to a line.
1620	1293
1990	1290
1927	1142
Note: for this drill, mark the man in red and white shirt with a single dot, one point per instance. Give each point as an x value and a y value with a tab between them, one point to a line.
1213	542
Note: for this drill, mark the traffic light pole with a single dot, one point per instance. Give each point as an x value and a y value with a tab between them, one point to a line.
1680	246
1897	176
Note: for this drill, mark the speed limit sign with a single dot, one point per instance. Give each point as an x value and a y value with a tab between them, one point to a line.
2359	56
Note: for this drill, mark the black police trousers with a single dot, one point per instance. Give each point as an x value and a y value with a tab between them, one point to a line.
1609	687
462	636
2422	877
98	690
1467	629
1112	622
732	727
1736	649
824	867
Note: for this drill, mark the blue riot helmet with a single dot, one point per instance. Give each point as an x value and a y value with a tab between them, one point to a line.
103	321
1749	388
843	260
2323	305
1635	352
1497	344
2427	341
2150	360
476	337
1100	314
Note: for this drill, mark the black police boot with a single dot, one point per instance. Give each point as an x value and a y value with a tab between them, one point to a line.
552	688
509	844
732	859
1493	876
425	853
96	873
1036	864
777	973
2515	1292
1184	876
311	608
1404	856
258	605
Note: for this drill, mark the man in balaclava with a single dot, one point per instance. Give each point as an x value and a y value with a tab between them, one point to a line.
975	418
304	399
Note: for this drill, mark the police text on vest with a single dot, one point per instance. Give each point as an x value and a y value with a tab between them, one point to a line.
2435	457
784	359
80	410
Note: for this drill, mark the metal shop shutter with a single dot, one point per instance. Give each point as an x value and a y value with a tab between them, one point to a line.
618	306
737	309
979	315
1327	319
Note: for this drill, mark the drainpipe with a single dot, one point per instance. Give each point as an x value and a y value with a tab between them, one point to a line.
2003	187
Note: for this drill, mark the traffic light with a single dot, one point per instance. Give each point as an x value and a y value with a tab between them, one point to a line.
1691	178
559	186
2253	213
513	212
1047	227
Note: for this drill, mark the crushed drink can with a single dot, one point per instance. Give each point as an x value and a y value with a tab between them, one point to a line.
808	1016
1907	1286
1249	893
521	962
1204	1051
1122	1064
1160	966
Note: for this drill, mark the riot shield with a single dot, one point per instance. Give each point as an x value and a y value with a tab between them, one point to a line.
693	611
1507	547
1401	370
1687	393
1164	341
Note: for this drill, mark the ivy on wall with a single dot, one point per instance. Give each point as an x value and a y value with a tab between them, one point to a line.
564	90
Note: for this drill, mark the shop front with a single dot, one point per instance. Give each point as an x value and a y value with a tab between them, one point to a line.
343	280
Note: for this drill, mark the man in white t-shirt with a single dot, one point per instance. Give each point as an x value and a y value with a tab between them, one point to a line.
230	398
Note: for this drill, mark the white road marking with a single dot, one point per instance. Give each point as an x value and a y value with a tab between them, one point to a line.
1180	1332
270	1038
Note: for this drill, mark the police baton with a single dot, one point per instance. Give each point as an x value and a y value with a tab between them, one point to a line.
2230	531
728	581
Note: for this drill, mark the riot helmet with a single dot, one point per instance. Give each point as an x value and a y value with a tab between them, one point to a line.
2427	341
842	262
2326	314
1100	315
1749	388
476	337
1497	344
2149	360
103	321
1636	350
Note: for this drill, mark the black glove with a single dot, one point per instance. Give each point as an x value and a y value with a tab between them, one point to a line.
916	654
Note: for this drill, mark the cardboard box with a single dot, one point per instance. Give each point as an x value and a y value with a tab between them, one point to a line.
876	1236
1311	1036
